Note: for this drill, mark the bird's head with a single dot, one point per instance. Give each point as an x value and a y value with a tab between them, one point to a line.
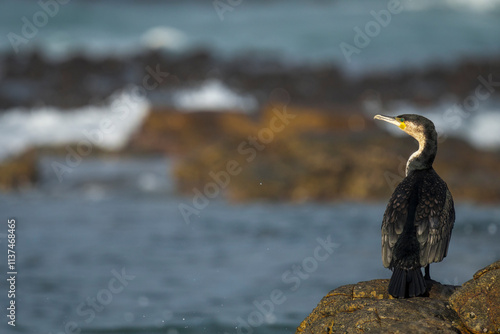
415	125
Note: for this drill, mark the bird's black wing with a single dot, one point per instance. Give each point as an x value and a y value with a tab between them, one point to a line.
434	218
395	217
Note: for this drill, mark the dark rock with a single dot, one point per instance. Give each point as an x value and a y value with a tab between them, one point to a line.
80	80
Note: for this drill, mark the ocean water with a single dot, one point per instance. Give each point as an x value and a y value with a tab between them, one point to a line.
110	126
107	251
416	33
420	33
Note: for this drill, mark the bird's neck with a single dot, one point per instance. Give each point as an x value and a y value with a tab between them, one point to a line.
424	157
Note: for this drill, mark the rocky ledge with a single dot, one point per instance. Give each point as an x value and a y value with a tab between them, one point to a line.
366	307
319	155
19	172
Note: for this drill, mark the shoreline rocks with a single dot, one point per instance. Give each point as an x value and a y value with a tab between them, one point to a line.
320	155
478	301
329	150
366	307
30	80
19	171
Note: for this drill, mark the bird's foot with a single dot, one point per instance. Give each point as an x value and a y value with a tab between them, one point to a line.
427	276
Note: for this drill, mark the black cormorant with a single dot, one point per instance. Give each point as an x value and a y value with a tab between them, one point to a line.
419	217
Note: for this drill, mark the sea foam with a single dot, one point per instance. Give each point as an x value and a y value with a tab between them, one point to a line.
107	127
213	95
453	120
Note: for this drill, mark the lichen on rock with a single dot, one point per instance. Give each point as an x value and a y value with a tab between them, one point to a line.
478	301
367	307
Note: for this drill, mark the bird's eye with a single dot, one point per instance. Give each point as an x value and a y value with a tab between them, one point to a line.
402	119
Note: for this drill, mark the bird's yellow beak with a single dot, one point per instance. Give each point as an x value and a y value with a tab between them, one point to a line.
393	120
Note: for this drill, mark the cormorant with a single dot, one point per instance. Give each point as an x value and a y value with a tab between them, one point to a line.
417	223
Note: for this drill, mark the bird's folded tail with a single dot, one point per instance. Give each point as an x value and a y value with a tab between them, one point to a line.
407	283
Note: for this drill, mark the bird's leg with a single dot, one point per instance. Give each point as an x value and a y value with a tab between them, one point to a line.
427	273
